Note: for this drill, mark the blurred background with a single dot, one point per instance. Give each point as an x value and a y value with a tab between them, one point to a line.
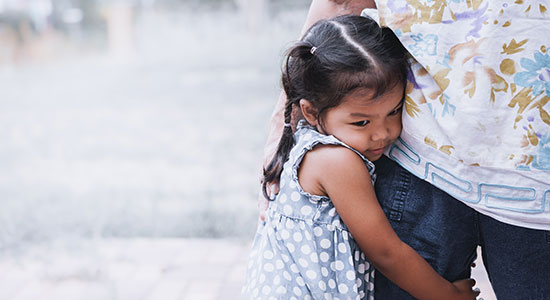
131	138
136	118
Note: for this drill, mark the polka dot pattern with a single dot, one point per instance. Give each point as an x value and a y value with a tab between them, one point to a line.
303	250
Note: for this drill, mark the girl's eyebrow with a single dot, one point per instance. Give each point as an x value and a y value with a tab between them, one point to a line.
359	115
362	115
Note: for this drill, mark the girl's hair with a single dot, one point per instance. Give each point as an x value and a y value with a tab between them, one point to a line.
333	58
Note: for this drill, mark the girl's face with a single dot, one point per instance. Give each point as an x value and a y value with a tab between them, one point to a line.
368	125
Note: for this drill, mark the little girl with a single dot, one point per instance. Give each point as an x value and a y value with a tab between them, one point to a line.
325	227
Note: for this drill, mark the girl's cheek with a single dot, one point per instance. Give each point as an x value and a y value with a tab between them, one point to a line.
397	128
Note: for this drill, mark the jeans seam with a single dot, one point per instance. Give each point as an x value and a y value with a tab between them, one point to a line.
477	228
398	205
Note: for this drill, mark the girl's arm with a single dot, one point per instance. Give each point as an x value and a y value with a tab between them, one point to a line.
341	174
318	10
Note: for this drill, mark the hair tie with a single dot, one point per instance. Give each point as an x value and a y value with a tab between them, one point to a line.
287	125
312	50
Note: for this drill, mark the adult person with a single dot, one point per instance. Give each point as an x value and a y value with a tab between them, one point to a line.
472	165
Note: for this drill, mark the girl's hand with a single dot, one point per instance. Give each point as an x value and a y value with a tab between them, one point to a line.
464	289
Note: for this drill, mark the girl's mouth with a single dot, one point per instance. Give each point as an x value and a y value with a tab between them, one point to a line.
377	151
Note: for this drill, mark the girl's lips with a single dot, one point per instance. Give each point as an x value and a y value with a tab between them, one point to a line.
377	151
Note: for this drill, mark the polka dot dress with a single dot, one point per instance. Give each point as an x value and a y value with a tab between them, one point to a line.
303	250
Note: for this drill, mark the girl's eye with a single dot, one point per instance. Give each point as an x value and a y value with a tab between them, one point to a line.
396	111
361	123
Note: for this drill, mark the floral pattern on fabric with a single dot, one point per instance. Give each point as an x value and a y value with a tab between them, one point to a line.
478	112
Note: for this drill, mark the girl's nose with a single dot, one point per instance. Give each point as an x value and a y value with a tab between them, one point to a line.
380	133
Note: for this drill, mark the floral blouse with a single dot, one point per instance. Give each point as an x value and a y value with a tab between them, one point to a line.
477	117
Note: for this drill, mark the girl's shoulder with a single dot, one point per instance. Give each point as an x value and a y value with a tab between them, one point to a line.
321	156
327	147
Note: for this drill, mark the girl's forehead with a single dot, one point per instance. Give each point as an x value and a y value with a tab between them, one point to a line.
359	94
365	96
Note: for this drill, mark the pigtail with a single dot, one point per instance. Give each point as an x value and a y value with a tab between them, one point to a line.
274	169
292	81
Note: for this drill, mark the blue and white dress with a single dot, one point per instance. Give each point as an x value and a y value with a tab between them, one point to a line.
303	250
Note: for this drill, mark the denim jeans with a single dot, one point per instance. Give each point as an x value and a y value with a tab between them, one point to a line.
446	233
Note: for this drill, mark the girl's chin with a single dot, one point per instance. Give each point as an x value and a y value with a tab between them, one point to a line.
373	156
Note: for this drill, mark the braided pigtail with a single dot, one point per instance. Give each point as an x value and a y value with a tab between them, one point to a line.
296	64
274	169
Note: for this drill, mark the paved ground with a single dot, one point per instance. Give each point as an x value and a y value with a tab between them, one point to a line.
140	269
135	269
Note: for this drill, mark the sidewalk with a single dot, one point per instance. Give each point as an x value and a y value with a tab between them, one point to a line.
135	269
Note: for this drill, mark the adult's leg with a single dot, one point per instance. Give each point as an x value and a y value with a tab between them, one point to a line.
517	260
440	228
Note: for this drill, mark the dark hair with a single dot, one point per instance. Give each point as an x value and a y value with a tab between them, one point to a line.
333	58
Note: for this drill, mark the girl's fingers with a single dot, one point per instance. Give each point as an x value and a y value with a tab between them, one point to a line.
476	291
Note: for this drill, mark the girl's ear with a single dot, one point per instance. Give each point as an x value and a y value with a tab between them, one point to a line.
309	112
